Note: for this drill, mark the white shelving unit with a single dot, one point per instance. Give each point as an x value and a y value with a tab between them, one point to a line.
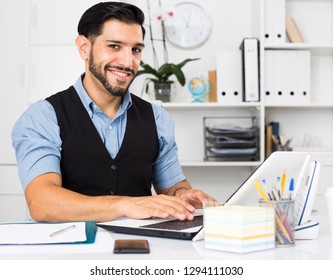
314	120
311	122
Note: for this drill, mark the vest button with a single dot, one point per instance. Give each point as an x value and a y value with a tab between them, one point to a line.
112	192
114	167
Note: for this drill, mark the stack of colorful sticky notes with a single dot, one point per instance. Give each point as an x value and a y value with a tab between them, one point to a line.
239	229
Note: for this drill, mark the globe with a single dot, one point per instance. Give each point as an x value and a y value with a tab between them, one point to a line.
198	87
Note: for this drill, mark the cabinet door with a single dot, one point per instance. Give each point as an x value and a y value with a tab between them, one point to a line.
13	206
54	68
14	30
55	22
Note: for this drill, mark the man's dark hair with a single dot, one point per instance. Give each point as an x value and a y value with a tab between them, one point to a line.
91	22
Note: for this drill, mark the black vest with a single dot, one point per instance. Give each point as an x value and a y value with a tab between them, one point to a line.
86	165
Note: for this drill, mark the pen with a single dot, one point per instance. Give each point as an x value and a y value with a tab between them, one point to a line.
259	188
61	231
282	228
275	194
283	140
291	188
266	188
283	181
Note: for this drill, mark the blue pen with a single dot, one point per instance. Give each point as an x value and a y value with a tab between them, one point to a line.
291	188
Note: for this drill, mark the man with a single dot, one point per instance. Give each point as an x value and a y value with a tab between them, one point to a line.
93	151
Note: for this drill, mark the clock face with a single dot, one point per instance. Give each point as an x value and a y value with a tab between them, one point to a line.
189	26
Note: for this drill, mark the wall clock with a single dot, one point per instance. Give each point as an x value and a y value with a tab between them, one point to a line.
189	27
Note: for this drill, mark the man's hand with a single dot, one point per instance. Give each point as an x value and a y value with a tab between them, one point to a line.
161	206
184	191
193	197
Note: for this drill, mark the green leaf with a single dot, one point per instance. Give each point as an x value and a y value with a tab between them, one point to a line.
179	74
163	73
181	64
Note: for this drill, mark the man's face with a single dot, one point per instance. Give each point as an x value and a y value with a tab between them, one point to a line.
115	56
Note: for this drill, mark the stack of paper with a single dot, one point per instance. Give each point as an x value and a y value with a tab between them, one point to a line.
239	229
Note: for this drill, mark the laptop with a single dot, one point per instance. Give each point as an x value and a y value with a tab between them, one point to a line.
295	163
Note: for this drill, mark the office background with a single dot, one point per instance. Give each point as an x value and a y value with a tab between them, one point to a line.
39	58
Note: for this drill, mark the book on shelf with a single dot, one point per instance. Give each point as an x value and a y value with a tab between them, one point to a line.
293	33
212	83
268	141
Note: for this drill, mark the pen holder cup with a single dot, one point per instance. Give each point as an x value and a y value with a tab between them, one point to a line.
284	221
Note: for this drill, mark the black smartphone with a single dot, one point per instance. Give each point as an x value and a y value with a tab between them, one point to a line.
131	246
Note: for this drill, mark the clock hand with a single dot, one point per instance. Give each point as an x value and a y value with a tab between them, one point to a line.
187	21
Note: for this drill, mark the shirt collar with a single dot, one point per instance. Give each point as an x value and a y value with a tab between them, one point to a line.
90	105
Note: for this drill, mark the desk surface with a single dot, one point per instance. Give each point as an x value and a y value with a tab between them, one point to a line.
169	249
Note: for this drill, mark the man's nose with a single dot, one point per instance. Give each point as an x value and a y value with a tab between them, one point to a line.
126	58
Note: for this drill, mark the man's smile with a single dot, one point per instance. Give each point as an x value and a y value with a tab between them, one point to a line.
120	72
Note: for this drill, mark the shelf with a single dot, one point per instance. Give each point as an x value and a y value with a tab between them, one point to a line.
219	163
304	1
242	105
300	106
207	105
320	49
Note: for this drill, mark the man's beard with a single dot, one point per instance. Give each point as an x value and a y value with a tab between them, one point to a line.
113	90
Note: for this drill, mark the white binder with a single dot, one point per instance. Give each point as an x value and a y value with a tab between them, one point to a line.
286	80
229	76
250	69
274	21
269	80
287	77
304	77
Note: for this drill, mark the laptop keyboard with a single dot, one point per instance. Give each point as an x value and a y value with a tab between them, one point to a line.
177	224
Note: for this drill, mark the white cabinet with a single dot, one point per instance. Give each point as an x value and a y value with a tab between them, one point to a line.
55	61
53	69
14	78
12	200
13	72
55	22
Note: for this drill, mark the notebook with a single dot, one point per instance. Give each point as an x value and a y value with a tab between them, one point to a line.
47	233
294	162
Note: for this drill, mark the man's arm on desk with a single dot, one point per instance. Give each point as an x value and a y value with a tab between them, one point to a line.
49	201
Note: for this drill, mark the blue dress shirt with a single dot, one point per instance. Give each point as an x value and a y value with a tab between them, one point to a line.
37	142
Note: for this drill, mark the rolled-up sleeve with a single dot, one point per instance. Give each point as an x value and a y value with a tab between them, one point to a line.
37	142
167	169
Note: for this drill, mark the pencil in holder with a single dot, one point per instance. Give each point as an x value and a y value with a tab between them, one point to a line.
284	220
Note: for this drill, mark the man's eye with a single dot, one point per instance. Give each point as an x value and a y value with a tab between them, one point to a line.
113	46
136	50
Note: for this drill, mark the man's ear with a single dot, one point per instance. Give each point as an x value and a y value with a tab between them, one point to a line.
83	45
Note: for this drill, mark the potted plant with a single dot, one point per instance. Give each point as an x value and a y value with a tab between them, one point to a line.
161	77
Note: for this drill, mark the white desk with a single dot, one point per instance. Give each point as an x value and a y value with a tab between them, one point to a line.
169	249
